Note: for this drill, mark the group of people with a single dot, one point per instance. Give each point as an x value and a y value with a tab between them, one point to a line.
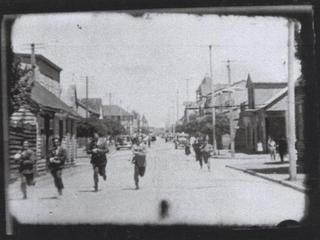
57	155
26	159
201	148
280	147
98	148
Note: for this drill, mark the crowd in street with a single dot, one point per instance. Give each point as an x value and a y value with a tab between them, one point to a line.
98	148
57	155
201	148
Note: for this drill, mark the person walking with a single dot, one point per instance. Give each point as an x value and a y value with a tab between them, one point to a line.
57	158
205	150
26	159
282	148
187	148
98	149
139	160
197	150
272	148
149	141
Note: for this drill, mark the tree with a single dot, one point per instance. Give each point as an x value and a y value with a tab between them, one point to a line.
87	127
114	127
204	126
20	86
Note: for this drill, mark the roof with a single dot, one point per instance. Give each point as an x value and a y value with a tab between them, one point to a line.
205	86
90	109
261	96
277	102
45	98
39	57
93	103
114	110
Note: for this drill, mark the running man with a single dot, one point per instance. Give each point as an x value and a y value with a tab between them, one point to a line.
139	160
57	158
98	148
26	160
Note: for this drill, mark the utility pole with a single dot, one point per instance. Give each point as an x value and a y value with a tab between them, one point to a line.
87	94
177	103
214	144
291	129
229	72
187	88
33	61
231	129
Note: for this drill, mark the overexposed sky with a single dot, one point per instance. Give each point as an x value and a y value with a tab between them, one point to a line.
143	61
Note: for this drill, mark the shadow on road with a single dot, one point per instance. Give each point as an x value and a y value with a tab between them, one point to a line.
49	198
128	189
275	170
87	191
16	199
276	163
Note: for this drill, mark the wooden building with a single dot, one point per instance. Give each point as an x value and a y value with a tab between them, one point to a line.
53	118
264	116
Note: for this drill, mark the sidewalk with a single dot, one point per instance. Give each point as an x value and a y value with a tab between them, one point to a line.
261	166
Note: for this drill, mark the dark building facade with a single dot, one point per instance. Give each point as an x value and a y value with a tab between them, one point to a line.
264	116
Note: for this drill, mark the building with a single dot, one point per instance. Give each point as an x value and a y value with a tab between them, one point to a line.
94	104
203	94
117	113
53	117
47	73
263	116
191	108
80	106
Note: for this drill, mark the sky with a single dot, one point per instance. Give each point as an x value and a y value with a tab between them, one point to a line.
145	61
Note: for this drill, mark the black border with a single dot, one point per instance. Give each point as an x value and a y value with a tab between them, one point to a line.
311	222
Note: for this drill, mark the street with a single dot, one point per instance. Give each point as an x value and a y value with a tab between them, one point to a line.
194	195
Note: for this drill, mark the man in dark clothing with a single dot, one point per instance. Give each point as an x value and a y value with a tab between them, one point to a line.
197	150
98	149
205	150
282	148
26	159
139	161
57	158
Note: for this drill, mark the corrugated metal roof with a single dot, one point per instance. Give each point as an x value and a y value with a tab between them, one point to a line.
45	98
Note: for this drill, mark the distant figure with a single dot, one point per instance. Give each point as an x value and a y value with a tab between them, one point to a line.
259	147
98	149
197	150
187	148
205	150
282	148
57	158
192	139
26	160
139	160
272	148
149	141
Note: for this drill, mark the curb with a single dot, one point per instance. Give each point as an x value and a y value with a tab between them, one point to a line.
283	183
